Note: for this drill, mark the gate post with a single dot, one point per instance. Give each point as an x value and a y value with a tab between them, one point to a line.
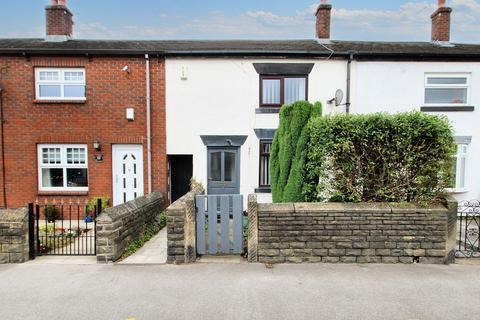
252	228
31	232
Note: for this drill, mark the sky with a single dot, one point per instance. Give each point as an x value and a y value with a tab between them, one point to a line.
378	20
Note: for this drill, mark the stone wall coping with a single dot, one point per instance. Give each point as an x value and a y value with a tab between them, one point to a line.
118	212
14	215
379	207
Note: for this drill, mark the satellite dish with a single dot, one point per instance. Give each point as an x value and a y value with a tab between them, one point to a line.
338	97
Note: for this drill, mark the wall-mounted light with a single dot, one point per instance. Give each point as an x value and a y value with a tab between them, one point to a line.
97	146
98	157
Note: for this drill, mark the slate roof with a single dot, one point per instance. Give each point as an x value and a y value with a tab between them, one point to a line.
416	50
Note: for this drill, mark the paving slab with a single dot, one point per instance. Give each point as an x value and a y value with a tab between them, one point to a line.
153	252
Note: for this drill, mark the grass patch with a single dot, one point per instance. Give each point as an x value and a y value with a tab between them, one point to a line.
150	231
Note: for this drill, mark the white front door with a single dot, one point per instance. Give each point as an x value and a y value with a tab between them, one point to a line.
127	172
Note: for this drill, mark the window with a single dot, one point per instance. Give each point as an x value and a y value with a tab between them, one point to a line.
276	91
449	89
63	168
265	148
60	84
459	179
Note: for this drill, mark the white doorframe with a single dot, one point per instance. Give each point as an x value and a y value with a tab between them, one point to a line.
127	172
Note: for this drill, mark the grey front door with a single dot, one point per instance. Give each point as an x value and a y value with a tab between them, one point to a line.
223	170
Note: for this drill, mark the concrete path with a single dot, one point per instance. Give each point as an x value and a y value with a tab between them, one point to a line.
153	252
239	291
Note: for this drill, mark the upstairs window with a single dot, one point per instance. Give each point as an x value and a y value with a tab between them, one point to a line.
60	84
63	167
276	91
446	89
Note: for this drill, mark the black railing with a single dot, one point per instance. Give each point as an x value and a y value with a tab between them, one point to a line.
468	224
65	229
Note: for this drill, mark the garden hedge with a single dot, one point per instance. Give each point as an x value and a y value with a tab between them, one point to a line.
406	157
289	150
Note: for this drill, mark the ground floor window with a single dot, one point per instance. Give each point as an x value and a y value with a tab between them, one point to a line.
63	167
459	180
265	148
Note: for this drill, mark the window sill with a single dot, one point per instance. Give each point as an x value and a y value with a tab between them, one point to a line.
37	101
457	191
263	190
263	110
62	193
447	108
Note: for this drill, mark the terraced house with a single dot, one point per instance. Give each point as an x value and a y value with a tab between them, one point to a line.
85	118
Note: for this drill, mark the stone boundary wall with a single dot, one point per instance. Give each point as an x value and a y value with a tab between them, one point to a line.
14	246
351	233
181	229
117	227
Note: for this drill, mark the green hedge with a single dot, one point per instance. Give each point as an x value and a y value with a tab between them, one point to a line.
289	150
406	157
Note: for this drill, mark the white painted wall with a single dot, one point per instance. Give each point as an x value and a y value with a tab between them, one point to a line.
399	86
219	97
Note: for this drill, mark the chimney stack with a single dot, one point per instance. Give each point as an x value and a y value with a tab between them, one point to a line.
441	23
323	14
59	20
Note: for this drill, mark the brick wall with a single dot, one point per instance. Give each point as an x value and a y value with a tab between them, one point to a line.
14	246
102	117
117	227
353	233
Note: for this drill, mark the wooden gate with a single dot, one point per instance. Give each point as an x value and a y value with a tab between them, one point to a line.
219	224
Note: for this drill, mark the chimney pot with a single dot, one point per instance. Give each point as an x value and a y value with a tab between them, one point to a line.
441	3
324	16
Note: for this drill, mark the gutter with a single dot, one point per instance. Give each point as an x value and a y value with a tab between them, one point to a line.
2	141
149	124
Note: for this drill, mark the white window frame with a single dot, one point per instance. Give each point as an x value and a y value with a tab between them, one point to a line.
459	156
63	165
61	82
447	86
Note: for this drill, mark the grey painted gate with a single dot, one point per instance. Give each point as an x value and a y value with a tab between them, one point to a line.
219	224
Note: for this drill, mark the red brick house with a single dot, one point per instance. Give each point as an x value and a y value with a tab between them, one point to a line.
77	121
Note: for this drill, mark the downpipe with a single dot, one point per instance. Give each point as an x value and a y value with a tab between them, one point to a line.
349	83
149	124
2	137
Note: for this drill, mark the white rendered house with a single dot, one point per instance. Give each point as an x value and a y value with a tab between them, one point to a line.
223	97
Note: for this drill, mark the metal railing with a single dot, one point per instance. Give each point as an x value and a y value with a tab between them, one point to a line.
63	229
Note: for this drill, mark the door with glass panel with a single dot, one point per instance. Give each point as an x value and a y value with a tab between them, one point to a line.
127	173
223	171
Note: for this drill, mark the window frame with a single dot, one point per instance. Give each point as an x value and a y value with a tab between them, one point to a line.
63	165
282	88
447	86
261	154
61	82
459	155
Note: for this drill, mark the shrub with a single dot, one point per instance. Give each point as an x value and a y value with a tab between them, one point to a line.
52	214
289	150
406	157
93	203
